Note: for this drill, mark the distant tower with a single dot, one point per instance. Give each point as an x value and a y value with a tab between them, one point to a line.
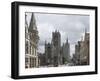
87	47
56	46
31	42
67	46
48	53
66	52
86	35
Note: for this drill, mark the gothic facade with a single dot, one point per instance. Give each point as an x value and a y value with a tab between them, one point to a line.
31	42
55	54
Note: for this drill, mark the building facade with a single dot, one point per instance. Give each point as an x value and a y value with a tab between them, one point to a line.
41	59
55	54
81	56
84	52
31	43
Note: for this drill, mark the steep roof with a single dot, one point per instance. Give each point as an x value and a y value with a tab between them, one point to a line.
32	25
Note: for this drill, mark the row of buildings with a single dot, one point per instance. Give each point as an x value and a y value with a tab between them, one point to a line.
81	56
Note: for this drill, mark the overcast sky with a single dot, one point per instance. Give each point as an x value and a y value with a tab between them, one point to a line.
70	26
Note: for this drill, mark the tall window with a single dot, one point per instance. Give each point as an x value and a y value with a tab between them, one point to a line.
30	48
33	52
26	62
26	47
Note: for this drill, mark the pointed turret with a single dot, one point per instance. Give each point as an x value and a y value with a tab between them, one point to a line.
85	30
26	24
32	25
45	42
67	40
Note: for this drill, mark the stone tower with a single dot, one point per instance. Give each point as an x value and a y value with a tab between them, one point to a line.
56	48
66	52
48	54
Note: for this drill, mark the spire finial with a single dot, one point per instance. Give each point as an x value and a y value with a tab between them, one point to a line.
67	40
25	16
26	20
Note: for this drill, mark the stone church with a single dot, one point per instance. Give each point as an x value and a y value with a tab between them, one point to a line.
55	54
31	43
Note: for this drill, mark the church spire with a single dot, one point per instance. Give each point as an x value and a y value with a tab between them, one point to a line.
26	24
67	40
32	25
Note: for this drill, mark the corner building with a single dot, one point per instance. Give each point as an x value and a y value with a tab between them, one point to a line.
31	43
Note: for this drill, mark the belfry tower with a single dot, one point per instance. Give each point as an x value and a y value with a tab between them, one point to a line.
56	46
